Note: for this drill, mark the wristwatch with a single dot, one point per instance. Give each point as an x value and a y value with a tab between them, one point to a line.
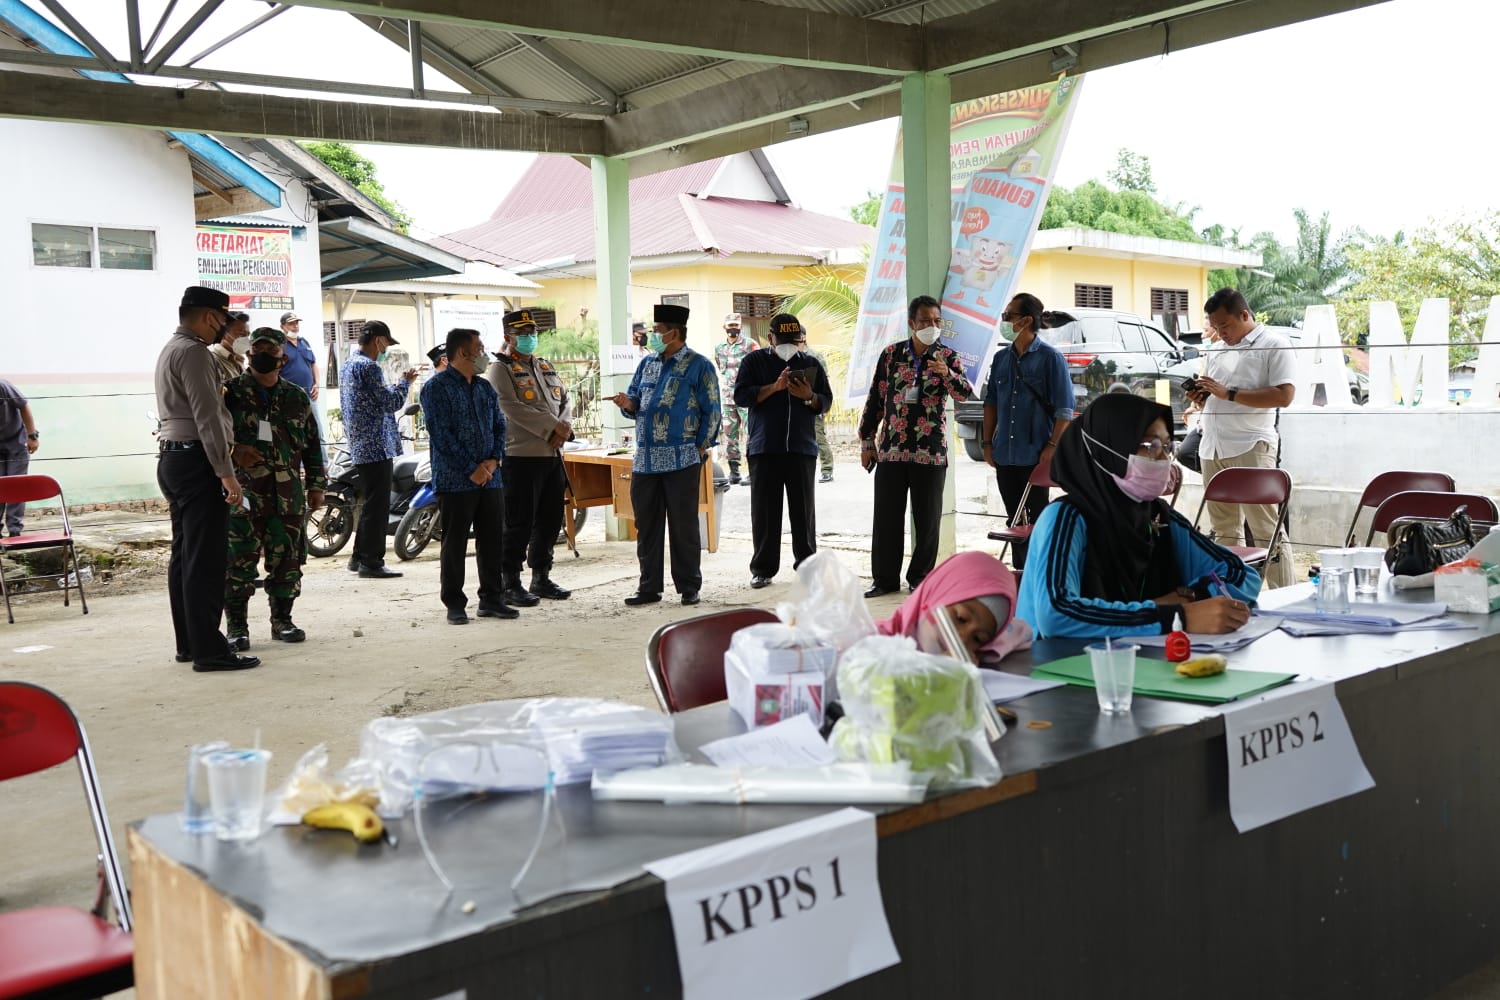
34	436
1233	392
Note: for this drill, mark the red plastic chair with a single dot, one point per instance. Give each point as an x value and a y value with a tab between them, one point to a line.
1019	529
28	489
60	951
1251	486
1425	505
685	660
1388	484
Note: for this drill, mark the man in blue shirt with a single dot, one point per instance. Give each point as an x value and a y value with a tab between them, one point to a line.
1027	404
369	407
674	398
467	431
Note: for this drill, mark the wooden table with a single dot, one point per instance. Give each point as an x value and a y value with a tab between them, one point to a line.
1104	864
601	479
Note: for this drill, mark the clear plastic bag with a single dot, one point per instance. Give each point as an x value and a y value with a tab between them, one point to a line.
573	734
903	704
773	671
828	601
310	784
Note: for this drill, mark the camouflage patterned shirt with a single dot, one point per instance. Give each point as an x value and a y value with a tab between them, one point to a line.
294	452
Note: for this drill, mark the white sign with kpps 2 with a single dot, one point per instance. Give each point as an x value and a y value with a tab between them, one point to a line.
1290	752
779	915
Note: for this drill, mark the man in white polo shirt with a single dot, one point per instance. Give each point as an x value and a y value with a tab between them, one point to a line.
1245	380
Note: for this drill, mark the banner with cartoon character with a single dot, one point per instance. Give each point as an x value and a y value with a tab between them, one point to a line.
1004	151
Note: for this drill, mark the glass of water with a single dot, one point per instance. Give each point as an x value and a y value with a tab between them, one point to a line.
237	792
1367	563
196	815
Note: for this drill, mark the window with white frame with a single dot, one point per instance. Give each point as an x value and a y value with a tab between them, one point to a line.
107	248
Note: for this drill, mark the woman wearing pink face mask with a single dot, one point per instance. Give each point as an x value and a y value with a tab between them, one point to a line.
979	592
1111	558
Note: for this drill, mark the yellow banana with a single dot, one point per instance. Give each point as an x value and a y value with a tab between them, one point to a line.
358	819
1203	666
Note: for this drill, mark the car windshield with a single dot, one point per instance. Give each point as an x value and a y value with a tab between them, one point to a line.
1068	333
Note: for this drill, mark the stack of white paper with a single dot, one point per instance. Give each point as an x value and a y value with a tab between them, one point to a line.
1259	624
1362	617
578	747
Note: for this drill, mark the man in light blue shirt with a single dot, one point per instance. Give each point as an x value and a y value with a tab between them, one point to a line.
1027	404
674	399
369	410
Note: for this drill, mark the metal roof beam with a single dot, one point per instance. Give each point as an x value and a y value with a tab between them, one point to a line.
54	98
245	29
439	57
744	102
571	69
82	34
728	29
133	29
203	13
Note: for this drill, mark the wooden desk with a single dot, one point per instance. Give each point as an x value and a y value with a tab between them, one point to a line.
599	479
1104	864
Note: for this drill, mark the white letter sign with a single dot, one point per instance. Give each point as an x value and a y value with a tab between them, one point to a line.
1288	753
780	915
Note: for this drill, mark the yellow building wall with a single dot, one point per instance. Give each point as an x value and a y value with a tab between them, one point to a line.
1051	275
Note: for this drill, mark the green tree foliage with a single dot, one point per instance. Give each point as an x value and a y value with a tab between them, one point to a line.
360	171
1132	172
1312	271
867	212
1457	259
1092	205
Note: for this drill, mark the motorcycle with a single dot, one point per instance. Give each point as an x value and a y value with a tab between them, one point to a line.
330	527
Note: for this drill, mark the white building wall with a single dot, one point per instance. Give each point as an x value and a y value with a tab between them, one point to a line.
83	343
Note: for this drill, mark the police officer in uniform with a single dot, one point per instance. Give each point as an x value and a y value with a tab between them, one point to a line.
536	407
196	475
274	418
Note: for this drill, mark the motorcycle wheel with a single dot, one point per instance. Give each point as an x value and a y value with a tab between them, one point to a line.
415	531
330	527
580	515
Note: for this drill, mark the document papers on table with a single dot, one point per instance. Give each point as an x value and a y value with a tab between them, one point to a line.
1303	618
1002	687
790	743
1257	626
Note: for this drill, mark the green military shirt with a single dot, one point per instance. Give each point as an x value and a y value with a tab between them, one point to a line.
727	358
294	451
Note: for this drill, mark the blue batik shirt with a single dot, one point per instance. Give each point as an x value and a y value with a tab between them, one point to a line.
465	426
676	410
369	407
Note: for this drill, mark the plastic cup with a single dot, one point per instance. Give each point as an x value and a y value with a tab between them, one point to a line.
1335	559
197	816
1333	591
1367	563
1114	675
237	792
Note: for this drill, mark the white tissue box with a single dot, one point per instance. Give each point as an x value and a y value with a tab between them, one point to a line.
774	672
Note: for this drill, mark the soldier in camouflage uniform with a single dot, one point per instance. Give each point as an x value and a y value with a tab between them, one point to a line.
273	419
727	358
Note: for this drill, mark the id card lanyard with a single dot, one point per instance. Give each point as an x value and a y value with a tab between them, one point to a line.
914	393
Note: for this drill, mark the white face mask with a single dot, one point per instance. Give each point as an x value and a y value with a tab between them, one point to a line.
786	352
240	346
928	335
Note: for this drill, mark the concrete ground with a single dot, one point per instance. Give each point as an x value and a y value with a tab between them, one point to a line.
374	648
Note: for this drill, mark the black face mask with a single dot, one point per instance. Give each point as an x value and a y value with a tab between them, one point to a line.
265	364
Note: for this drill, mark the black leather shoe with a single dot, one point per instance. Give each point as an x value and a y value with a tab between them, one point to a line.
354	564
638	598
520	597
238	643
551	591
760	581
879	591
377	573
228	661
457	616
183	657
287	632
499	611
691	598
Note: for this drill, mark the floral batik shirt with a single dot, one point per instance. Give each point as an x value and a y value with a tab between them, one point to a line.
906	404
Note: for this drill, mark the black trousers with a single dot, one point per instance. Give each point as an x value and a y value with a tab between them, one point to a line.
484	511
771	476
533	513
667	502
200	550
1012	482
374	512
893	481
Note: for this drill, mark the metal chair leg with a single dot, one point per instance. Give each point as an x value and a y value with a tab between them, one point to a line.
5	589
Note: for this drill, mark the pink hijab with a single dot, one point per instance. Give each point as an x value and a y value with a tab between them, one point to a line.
963	577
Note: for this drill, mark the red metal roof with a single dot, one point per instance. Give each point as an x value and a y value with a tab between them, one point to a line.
549	216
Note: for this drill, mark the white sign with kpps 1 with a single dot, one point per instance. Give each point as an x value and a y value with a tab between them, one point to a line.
1289	752
784	914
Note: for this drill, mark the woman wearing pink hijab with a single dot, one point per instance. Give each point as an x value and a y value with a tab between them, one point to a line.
980	594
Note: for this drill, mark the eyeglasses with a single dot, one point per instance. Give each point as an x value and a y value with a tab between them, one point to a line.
1010	317
1157	449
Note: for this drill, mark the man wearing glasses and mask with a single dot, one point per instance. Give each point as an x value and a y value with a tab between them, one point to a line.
281	470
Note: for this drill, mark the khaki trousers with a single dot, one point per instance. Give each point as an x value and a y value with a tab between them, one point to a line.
1228	520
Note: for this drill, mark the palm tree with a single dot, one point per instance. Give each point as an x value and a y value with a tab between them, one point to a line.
1291	278
826	297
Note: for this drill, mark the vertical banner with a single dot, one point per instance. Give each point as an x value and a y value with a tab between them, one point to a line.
1004	149
253	266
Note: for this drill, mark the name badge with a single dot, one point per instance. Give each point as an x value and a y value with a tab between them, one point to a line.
911	395
264	434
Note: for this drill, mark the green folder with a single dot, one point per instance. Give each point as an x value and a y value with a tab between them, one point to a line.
1159	679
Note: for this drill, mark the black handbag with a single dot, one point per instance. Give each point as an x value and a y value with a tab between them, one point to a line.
1422	547
1187	451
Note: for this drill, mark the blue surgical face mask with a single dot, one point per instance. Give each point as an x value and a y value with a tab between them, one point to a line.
526	343
380	358
654	343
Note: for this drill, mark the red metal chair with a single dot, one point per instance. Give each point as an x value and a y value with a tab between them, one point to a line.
1426	505
29	489
685	660
1019	529
60	951
1251	486
1388	484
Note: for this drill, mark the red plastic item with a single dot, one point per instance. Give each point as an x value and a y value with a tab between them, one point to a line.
1179	647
